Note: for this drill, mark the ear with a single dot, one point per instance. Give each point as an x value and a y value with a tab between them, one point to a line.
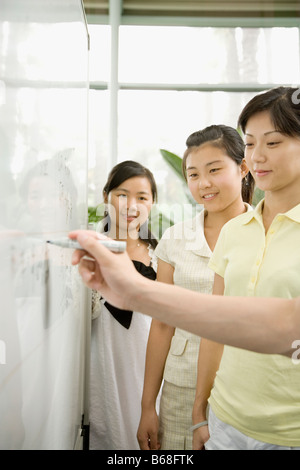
244	168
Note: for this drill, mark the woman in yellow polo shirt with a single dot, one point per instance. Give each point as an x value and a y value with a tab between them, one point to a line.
255	400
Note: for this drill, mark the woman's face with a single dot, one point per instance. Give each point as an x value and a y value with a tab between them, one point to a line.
272	157
214	179
49	204
129	205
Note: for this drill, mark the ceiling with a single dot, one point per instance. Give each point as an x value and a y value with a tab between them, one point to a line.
199	8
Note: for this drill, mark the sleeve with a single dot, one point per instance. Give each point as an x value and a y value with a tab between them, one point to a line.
153	258
163	249
218	258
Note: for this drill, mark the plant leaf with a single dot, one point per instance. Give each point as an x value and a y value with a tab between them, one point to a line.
174	161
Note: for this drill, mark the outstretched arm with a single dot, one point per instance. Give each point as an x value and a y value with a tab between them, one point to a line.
266	325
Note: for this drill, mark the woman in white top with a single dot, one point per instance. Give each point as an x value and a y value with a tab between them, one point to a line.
218	178
119	338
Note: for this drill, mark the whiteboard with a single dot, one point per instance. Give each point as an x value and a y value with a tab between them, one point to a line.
44	329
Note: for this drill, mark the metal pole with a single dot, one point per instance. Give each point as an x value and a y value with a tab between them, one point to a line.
115	7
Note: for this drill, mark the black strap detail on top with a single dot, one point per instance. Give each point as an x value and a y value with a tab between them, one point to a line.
124	317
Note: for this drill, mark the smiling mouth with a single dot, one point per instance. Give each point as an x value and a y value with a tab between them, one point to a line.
209	196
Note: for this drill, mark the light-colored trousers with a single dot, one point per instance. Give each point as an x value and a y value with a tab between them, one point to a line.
225	437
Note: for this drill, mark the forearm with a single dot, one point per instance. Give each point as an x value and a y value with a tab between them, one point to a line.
258	324
160	337
157	350
210	354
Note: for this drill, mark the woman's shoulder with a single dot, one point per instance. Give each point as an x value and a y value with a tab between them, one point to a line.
239	220
178	230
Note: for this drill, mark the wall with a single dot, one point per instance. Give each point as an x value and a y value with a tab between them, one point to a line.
44	331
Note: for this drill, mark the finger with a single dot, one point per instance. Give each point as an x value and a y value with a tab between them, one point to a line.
153	441
77	256
88	233
91	245
90	273
90	279
88	264
143	443
87	275
74	233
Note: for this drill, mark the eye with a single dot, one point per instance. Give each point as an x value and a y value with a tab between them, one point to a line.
192	175
272	144
248	145
213	170
122	195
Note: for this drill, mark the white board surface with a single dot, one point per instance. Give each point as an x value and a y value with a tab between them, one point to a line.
43	195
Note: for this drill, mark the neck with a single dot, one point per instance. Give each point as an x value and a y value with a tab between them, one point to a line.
214	221
133	242
123	235
276	203
221	217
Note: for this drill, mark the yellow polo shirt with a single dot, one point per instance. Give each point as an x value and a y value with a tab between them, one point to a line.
259	394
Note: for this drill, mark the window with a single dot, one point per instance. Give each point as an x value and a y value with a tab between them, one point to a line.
175	80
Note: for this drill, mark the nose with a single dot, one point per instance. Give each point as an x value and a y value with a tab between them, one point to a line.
132	204
45	202
256	154
204	182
